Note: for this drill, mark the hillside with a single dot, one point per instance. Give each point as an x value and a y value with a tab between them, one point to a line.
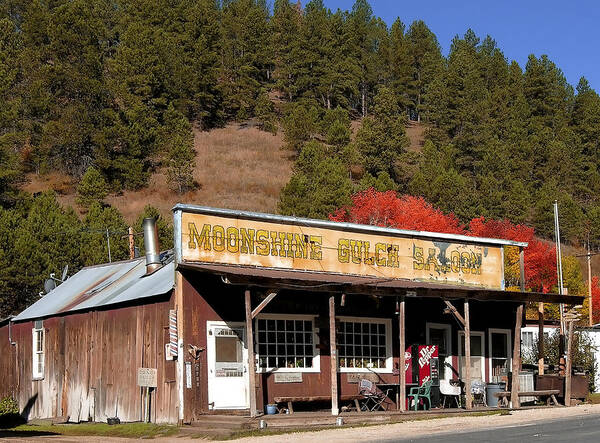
236	167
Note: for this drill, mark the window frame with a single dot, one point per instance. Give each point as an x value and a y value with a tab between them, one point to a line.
389	363
508	334
316	367
38	356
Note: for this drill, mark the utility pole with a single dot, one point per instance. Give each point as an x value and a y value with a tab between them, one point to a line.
560	281
131	243
589	263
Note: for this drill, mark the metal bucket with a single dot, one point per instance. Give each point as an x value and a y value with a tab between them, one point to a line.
271	409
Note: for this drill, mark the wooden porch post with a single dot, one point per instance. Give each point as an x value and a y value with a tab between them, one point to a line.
516	361
335	410
251	360
402	363
468	396
569	365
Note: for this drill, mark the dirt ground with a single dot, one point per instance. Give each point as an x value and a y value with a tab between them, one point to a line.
416	428
422	428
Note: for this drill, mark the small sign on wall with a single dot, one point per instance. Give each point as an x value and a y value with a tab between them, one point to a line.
147	377
188	374
288	377
356	377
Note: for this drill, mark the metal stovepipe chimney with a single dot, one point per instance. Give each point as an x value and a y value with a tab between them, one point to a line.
151	245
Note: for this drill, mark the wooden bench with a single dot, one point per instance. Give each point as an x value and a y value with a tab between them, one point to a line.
290	400
550	395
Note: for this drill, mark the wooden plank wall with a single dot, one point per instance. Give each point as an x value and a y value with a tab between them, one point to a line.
91	365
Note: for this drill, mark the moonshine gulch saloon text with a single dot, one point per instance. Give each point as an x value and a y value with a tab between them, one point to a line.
264	242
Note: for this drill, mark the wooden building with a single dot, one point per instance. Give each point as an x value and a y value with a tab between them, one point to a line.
76	351
264	308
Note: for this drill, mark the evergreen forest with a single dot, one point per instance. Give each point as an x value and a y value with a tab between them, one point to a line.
107	91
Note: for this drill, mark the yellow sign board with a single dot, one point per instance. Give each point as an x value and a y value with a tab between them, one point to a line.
216	239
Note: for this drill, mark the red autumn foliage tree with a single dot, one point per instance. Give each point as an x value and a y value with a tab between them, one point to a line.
595	299
371	207
540	257
407	212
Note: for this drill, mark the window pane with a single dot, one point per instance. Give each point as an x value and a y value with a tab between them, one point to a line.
227	349
285	343
437	336
361	343
476	345
499	347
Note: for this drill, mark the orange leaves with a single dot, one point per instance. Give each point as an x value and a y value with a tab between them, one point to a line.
595	299
414	213
403	212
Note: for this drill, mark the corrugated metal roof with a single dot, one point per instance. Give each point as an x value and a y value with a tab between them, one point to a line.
102	285
259	216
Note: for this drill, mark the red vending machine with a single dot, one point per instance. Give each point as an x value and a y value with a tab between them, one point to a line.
421	365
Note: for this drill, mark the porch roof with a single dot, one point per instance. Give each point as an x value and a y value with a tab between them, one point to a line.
354	284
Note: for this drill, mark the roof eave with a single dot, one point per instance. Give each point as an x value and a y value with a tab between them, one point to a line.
284	219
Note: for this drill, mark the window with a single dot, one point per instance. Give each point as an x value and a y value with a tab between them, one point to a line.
499	340
527	339
38	349
286	342
364	344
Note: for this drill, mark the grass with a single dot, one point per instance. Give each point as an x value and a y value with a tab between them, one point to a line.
150	430
128	430
594	398
236	167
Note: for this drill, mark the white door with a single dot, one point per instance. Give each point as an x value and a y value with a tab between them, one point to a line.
227	366
477	355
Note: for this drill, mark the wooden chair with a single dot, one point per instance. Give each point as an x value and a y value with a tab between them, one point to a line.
421	392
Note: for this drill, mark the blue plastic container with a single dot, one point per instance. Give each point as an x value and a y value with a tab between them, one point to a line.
271	409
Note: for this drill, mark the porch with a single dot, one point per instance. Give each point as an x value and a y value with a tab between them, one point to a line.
367	330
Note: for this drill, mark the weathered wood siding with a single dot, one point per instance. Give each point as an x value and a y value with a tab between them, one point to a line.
91	362
206	298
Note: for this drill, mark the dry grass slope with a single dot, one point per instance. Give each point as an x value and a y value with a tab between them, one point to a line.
237	167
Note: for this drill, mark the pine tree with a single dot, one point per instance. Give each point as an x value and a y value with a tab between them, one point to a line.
399	60
381	139
94	242
92	188
245	55
11	136
178	144
319	185
426	62
265	113
47	239
300	124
